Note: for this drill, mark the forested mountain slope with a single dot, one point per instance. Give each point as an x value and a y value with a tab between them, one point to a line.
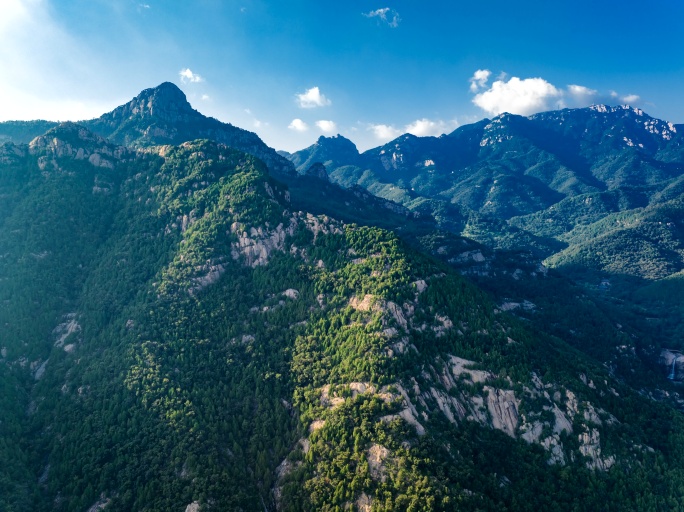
183	329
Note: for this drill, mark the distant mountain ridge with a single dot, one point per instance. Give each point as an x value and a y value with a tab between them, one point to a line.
512	169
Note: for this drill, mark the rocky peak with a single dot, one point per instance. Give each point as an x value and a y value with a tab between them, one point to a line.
332	151
338	142
165	102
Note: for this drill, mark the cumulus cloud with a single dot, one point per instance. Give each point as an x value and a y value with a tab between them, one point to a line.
519	96
188	76
312	98
631	98
581	93
298	125
386	15
479	79
427	127
530	95
326	126
384	132
420	128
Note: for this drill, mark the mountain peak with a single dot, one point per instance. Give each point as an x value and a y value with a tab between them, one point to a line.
330	151
337	141
165	102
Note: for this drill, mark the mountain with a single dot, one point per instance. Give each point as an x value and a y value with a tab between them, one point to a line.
162	115
332	152
157	116
184	329
543	180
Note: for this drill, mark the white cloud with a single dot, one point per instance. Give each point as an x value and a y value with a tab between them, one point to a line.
631	98
387	15
420	128
519	96
188	76
206	97
582	94
426	127
531	95
384	132
480	78
298	125
326	126
312	98
628	98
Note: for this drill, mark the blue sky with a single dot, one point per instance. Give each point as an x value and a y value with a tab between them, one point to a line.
370	70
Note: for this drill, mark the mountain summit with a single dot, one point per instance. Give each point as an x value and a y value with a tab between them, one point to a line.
162	115
333	152
164	102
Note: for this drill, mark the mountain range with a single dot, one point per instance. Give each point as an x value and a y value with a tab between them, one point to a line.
469	322
597	189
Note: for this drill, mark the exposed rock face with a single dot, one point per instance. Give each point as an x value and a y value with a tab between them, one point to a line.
257	245
673	364
40	370
193	507
65	329
316	425
165	102
397	314
420	285
74	141
291	293
503	408
376	462
364	304
364	503
101	504
213	274
590	447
